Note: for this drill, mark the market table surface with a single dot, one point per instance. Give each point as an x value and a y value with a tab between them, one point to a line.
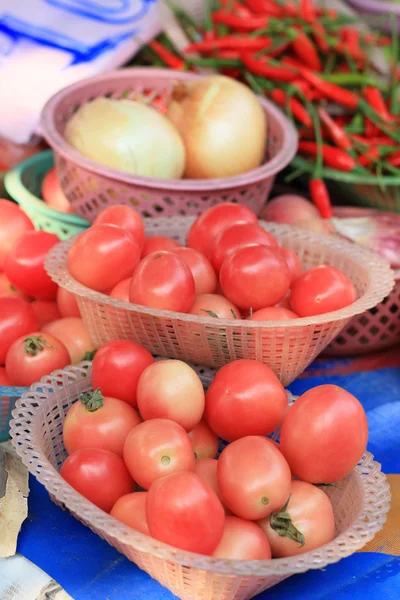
89	569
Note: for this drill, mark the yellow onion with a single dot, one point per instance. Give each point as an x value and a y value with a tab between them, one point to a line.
128	136
222	125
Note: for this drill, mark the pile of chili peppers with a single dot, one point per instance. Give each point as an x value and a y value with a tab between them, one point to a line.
307	60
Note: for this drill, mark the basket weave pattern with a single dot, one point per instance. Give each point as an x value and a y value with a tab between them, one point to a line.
376	329
90	187
360	501
287	347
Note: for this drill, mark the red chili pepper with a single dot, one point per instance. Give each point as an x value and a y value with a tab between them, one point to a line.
278	50
290	9
292	62
303	88
170	59
336	133
376	40
374	98
262	66
264	7
307	11
394	159
369	158
251	23
333	157
323	12
298	110
330	90
230	43
320	196
305	50
382	140
347	50
320	35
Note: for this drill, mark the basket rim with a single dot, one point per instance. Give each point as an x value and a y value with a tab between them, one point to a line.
61	146
26	424
23	196
56	267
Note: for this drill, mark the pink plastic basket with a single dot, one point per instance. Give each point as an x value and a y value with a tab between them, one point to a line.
360	502
377	328
287	347
90	187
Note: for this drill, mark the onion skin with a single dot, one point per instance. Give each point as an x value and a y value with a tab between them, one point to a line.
128	136
222	125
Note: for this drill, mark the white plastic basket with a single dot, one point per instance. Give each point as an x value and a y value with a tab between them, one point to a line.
360	502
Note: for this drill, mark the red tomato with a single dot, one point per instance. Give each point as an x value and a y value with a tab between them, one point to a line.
311	524
170	389
46	311
24	265
321	290
244	274
98	421
31	357
163	280
213	221
7	288
67	303
272	313
242	540
13	224
99	475
158	243
253	477
324	434
232	238
17	318
205	278
206	468
213	305
204	441
293	262
4	380
52	193
102	256
131	510
125	217
117	367
184	511
121	290
72	332
157	448
245	398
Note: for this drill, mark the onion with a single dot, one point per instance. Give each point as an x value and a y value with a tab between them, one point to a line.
289	208
222	124
128	136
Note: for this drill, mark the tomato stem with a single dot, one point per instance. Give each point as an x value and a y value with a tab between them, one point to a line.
35	344
282	524
92	401
89	355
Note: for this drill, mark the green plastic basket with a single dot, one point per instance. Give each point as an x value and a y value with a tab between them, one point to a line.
352	189
24	184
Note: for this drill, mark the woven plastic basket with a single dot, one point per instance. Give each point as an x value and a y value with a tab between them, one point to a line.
24	185
360	501
287	347
90	187
8	398
377	328
372	9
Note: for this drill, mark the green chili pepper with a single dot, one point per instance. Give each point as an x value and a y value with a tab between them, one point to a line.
354	80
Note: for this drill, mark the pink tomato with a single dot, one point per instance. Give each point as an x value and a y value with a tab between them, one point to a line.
205	278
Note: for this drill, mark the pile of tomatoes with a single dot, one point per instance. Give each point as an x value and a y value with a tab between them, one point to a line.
231	268
41	329
143	446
